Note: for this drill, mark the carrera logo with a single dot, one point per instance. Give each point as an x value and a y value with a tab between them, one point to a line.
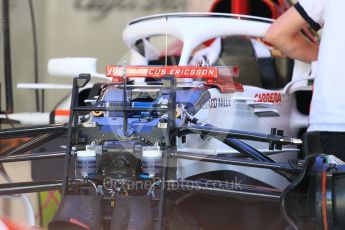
269	97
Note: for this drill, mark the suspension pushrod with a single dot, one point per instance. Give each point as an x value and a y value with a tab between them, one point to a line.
31	131
30	157
243	135
31	144
29	187
233	161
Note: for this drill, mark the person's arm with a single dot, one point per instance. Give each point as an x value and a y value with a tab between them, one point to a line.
285	35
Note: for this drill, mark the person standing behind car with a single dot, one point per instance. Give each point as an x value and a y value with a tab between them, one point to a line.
327	113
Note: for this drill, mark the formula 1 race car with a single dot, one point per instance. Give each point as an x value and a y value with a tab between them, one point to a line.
277	90
189	146
125	168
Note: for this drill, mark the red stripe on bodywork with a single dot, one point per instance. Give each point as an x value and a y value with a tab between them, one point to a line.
62	112
80	224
